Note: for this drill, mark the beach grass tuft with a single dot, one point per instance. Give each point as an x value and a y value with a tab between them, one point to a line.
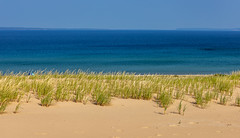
99	88
237	101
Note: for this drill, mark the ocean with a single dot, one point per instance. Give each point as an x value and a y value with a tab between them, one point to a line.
140	52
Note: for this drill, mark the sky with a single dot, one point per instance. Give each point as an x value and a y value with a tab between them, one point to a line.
120	14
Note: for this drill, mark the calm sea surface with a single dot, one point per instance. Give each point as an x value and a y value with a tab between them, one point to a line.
162	52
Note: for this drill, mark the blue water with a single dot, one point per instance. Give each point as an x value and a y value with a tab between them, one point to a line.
162	52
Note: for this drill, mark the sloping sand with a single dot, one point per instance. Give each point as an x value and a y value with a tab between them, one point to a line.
125	118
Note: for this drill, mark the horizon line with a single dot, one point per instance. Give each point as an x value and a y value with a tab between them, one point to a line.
112	29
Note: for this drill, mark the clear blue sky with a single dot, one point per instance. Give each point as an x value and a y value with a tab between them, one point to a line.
120	14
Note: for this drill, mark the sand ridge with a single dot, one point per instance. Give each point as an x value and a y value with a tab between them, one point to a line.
124	118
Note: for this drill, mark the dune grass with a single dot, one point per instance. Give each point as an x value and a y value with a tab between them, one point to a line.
99	88
237	101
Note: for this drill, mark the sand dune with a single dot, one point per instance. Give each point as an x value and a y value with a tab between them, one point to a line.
124	118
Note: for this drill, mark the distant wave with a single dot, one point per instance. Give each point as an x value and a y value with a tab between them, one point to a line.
208	49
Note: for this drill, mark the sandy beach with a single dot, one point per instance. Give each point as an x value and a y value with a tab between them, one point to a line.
124	118
119	106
